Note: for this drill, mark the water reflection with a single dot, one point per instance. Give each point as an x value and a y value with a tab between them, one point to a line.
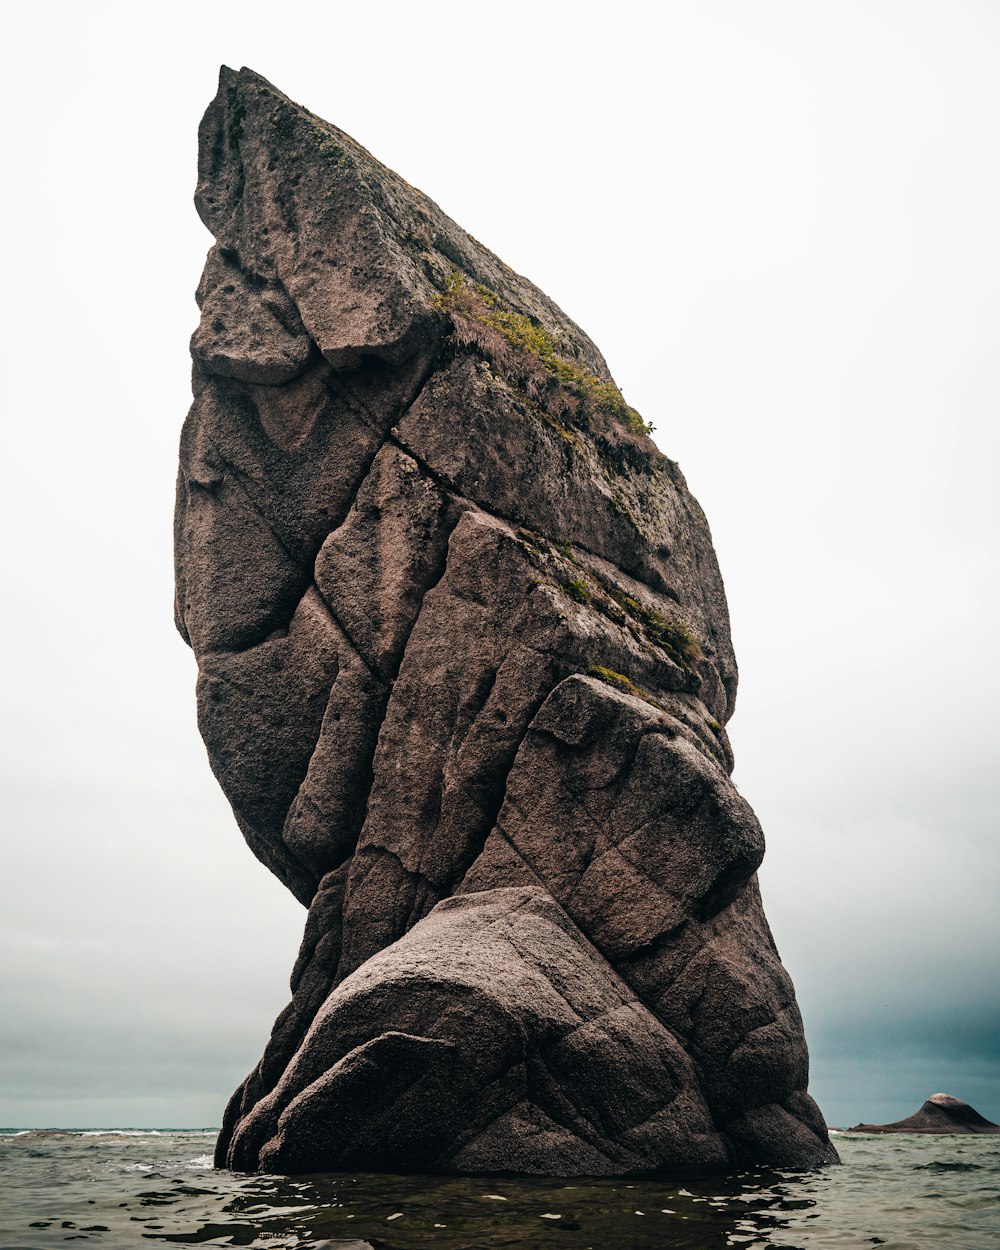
118	1192
399	1213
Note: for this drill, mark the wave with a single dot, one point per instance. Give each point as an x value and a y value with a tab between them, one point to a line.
110	1132
145	1132
937	1165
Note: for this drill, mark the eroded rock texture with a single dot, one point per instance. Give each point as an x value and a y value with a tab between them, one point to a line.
464	671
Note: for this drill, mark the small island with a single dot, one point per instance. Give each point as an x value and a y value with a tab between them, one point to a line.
941	1113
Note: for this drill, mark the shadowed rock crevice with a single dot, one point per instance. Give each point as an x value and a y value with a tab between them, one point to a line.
464	675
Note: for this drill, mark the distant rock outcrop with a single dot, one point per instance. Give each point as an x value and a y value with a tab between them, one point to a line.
940	1114
464	672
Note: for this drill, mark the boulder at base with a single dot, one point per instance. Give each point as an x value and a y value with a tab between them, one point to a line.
940	1114
464	672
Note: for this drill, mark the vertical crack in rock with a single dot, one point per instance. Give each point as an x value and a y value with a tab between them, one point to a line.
464	675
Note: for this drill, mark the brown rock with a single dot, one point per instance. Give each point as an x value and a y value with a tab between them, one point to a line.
464	667
941	1113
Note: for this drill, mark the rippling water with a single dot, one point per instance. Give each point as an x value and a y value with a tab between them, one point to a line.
120	1189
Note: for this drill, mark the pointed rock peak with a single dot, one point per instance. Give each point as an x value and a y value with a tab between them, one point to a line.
373	265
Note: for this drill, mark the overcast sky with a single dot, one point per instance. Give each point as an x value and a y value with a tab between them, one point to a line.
781	223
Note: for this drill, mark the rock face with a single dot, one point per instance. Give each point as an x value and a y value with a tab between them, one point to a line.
464	671
941	1113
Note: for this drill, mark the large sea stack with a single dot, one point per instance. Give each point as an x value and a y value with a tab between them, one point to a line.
464	675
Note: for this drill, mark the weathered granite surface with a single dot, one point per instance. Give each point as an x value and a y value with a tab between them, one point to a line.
464	672
941	1113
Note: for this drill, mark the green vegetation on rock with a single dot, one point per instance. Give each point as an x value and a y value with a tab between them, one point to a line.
672	636
623	683
481	321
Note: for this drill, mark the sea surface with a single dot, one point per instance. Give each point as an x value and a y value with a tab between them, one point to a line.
132	1188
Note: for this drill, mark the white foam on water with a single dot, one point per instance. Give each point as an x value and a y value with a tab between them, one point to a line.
203	1161
120	1132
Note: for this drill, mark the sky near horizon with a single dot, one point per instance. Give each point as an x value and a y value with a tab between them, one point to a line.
779	222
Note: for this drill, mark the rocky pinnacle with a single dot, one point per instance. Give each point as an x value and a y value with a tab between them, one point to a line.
464	675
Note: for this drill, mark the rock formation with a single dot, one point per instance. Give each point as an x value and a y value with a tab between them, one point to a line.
941	1113
464	672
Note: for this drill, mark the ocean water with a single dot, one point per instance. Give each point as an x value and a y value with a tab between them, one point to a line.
140	1188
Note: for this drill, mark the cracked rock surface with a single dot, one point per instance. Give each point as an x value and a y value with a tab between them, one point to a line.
464	675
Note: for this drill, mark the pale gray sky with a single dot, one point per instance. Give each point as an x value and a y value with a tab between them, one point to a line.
779	222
